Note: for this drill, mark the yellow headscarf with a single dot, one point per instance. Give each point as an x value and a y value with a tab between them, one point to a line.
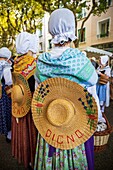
25	65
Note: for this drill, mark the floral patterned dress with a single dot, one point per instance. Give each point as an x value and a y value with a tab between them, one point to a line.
5	112
5	103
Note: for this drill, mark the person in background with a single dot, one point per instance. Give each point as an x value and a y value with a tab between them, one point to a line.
5	86
103	85
93	61
23	148
70	63
111	84
92	90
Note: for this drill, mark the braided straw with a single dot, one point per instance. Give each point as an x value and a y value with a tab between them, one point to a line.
21	96
60	115
103	79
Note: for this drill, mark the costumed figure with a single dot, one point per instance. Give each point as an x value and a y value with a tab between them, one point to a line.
103	85
69	64
93	61
23	130
5	92
111	84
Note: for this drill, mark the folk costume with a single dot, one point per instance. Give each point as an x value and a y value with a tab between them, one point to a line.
111	84
94	62
23	130
103	85
5	86
71	64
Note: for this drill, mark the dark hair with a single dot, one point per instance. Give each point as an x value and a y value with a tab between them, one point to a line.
63	43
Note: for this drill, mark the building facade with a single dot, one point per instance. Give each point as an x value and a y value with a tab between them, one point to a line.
44	36
97	31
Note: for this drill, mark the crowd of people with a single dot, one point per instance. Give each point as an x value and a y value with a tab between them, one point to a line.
19	80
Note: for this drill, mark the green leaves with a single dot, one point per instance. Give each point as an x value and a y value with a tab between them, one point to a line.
95	7
26	15
17	16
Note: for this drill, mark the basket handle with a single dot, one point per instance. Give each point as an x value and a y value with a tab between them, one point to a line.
109	125
111	131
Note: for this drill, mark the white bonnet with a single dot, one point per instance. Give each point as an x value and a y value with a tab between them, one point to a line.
25	42
5	52
62	26
104	59
84	52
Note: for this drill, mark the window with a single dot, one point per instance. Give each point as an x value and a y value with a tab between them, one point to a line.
40	46
82	14
103	28
109	2
81	35
40	33
49	44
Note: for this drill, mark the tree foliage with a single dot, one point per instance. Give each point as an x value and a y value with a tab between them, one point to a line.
95	7
17	16
25	15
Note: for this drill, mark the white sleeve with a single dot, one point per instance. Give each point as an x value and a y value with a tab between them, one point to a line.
36	84
7	76
37	81
108	72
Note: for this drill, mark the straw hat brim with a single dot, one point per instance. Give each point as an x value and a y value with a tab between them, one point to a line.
83	123
20	110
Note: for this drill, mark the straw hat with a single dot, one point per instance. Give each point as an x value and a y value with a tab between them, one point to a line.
21	96
64	113
104	79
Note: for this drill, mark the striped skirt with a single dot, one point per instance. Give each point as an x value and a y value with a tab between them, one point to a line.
24	140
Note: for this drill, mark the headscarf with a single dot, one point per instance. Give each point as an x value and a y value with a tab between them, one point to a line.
26	64
104	59
62	26
5	66
5	53
26	42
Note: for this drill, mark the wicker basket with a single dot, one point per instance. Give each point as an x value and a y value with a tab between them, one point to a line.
101	138
103	79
